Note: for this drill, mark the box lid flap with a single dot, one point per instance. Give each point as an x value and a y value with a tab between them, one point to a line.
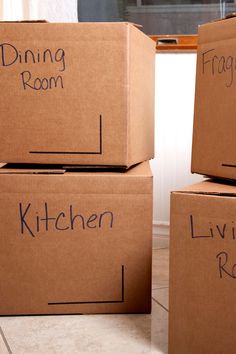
30	169
217	30
137	180
210	187
94	168
135	24
142	169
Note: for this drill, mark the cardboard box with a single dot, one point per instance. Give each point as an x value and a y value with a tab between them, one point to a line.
202	270
76	93
214	143
75	242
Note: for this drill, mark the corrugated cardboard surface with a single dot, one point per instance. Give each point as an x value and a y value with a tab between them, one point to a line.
76	93
76	242
214	141
141	98
202	270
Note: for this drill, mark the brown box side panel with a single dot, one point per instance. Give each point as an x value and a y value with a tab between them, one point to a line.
213	149
141	97
64	251
202	274
64	93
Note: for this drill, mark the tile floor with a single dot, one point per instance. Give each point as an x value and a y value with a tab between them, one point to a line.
97	334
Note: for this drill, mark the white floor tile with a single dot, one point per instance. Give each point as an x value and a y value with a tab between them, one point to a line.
4	349
88	334
161	295
160	268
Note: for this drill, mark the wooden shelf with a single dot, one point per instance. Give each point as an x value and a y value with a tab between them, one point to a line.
175	42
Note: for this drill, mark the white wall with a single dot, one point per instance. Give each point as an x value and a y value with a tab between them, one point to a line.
54	10
11	10
174	103
50	10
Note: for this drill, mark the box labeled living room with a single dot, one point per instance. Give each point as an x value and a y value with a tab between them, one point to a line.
203	269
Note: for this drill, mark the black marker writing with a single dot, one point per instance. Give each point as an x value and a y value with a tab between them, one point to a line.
10	55
212	229
223	266
217	64
40	83
32	222
23	223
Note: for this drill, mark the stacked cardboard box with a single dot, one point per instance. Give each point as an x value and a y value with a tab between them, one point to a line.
77	112
203	216
213	151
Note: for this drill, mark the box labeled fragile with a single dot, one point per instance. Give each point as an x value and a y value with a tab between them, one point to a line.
214	144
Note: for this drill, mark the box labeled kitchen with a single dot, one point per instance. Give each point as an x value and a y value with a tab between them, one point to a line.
214	143
75	242
203	269
76	93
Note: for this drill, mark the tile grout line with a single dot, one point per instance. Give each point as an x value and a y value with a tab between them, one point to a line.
160	287
164	308
5	341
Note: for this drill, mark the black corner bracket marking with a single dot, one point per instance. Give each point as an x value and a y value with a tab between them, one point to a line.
76	152
122	300
228	165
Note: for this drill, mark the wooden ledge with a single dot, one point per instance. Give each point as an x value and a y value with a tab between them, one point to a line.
175	42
